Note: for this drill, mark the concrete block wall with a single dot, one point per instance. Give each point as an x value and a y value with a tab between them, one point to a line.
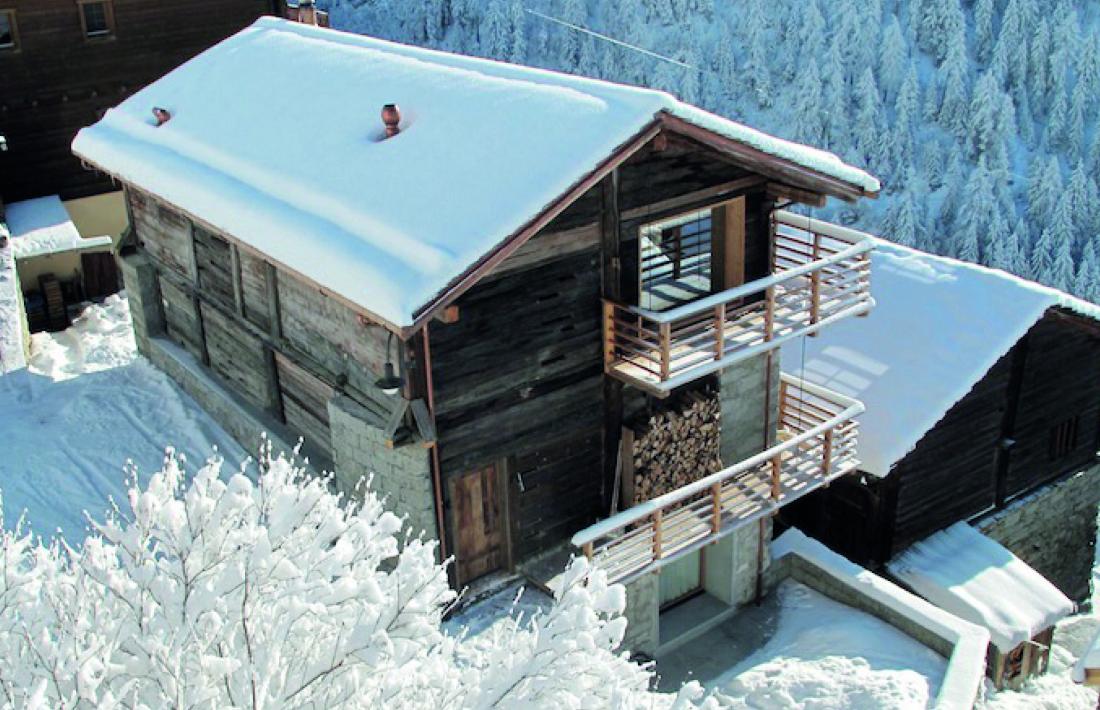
1054	530
749	412
402	475
733	561
140	280
643	630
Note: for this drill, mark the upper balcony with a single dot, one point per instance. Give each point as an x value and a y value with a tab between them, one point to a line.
821	273
816	444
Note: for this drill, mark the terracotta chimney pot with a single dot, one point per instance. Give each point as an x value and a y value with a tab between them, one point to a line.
391	116
161	115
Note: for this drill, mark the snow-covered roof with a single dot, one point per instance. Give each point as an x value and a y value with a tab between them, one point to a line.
43	226
275	139
938	326
973	577
1089	660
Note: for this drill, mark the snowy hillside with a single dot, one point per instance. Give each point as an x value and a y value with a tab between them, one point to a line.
980	116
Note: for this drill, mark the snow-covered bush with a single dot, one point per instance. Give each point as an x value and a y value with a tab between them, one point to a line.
273	592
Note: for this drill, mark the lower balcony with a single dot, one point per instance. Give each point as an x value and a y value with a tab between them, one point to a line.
822	274
816	444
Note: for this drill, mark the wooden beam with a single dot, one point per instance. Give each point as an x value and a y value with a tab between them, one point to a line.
757	160
425	427
611	288
708	196
448	315
235	274
777	190
395	420
274	314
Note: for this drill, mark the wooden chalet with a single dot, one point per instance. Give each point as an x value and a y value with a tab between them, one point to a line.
484	283
986	390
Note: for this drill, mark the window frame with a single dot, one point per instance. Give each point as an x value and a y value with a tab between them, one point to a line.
13	24
108	19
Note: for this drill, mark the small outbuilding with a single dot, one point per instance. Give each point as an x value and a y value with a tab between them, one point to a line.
966	574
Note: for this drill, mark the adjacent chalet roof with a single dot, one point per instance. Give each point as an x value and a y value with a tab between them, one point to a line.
965	573
43	226
275	139
939	325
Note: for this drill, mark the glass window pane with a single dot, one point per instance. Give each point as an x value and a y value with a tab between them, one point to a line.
95	18
7	37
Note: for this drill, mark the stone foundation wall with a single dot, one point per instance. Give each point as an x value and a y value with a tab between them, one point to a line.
1054	530
643	630
402	475
748	411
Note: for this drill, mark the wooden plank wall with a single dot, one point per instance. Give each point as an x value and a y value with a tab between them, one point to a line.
218	303
1061	380
44	102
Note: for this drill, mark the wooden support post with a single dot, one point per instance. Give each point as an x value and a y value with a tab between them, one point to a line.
716	503
769	314
666	350
608	335
271	282
611	289
657	518
719	331
777	476
238	286
587	547
815	285
827	455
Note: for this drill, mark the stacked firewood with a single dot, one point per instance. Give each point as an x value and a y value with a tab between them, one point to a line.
676	446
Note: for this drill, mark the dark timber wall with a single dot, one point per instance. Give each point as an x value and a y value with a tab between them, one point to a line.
519	377
58	81
279	344
1043	398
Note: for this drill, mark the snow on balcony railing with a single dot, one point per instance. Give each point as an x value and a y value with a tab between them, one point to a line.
822	274
816	444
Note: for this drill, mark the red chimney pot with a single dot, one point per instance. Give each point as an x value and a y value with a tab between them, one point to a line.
391	116
161	115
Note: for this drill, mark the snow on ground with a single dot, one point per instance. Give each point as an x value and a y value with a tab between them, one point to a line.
11	333
86	404
824	654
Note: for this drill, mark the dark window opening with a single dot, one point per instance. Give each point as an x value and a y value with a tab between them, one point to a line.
8	38
1063	438
675	260
96	17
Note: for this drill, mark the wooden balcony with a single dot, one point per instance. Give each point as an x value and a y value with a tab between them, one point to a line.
821	274
816	444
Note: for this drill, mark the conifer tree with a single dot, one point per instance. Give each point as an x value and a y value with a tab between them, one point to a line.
983	29
1086	283
834	95
757	69
893	59
905	115
956	99
808	125
941	26
1043	189
868	129
1038	67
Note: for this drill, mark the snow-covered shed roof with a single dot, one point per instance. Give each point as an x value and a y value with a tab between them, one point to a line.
274	138
938	327
973	577
1089	660
43	226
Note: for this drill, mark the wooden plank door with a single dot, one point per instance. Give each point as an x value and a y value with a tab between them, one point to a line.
100	274
479	528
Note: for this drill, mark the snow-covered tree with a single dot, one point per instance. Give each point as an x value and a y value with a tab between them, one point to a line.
1044	189
808	124
271	591
983	29
1086	284
893	59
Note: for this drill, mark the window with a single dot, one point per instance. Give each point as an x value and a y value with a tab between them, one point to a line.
9	35
97	18
1063	438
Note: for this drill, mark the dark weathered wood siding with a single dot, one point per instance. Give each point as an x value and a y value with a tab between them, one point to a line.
59	82
519	377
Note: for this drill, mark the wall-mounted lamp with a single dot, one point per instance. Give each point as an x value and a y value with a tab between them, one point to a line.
390	382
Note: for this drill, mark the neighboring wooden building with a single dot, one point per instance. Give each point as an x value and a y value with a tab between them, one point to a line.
528	261
985	389
64	62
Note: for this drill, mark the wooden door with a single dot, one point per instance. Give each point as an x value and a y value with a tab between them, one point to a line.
479	527
100	274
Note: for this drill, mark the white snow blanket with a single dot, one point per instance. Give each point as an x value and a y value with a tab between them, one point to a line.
1089	660
975	578
84	406
43	226
939	325
11	327
275	138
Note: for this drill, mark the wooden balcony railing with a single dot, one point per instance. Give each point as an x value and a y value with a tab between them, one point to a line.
816	444
822	274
